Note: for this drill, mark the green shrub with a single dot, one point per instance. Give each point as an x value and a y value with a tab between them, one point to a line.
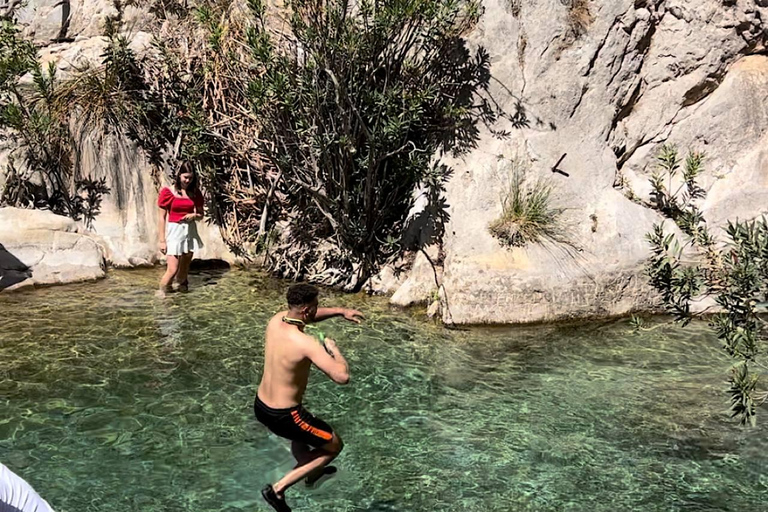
38	124
352	112
734	273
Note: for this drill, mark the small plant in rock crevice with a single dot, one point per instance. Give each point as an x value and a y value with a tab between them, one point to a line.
528	213
579	17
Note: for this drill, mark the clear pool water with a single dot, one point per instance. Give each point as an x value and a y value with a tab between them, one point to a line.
114	400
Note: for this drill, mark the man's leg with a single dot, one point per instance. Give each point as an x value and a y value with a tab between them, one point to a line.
301	452
304	454
318	459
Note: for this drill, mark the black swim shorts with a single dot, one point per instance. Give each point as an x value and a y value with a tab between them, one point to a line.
294	423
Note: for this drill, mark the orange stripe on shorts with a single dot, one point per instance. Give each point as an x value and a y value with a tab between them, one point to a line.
303	425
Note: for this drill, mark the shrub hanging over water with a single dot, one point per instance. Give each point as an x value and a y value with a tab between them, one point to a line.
734	273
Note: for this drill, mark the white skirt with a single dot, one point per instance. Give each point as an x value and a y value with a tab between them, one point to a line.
182	238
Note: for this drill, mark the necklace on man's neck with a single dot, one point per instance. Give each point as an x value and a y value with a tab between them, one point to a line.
294	321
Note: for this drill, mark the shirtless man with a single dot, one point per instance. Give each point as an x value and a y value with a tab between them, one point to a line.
288	356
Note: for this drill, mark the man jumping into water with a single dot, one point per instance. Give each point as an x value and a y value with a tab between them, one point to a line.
288	356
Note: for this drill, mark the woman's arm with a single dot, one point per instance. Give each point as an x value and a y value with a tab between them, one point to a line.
199	209
161	230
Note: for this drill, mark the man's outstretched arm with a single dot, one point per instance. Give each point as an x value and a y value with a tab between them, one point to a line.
351	315
328	359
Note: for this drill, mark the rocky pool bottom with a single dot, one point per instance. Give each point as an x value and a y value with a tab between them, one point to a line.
114	400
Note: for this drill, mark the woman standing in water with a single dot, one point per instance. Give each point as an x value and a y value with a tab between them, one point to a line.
182	206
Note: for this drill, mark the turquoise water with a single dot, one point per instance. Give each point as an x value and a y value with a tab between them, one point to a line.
114	400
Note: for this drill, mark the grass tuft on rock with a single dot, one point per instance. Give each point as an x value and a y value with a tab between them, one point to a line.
579	17
528	214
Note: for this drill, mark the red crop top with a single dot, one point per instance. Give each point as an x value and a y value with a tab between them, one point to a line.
177	206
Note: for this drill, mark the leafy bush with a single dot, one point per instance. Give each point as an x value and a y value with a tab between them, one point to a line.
734	273
528	215
680	204
37	123
113	98
352	114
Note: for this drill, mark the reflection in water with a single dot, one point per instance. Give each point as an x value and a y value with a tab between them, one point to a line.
112	399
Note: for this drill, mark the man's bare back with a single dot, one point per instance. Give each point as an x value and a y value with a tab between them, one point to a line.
286	365
288	356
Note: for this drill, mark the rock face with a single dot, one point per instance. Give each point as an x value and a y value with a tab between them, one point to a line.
605	83
48	21
40	248
128	222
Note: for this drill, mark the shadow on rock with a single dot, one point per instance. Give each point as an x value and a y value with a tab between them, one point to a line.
12	270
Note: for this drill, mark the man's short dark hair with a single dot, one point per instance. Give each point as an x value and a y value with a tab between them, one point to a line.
301	294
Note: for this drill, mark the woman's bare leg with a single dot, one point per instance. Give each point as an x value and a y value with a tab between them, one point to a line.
185	260
171	270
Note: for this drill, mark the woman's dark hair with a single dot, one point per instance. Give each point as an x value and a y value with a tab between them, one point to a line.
301	294
187	168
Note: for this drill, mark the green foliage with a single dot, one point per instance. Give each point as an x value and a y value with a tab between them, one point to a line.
353	114
38	122
528	215
677	282
113	99
17	57
637	323
675	192
735	274
162	9
88	199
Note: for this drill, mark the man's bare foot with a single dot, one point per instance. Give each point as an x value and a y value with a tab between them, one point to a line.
276	501
313	478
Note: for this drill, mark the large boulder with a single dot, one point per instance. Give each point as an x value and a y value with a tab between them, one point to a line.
41	248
